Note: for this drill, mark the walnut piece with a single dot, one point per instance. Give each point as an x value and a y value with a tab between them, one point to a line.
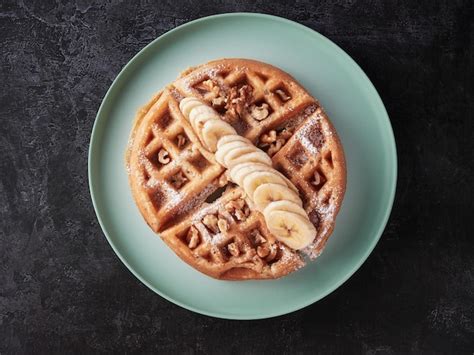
237	101
210	88
268	138
163	156
238	208
178	180
239	215
181	140
282	94
273	252
263	251
208	84
192	238
317	178
233	249
259	113
210	221
212	93
258	238
223	225
275	147
275	140
218	101
233	205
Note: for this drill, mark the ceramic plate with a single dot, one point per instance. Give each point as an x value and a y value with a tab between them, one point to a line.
351	102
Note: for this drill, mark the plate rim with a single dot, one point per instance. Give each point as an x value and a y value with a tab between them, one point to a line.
391	144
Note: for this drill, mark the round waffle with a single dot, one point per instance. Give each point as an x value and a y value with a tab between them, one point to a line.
189	198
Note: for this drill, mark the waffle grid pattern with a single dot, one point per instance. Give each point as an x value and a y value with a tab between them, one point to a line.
176	197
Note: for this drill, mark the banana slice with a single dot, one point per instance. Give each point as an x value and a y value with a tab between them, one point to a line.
237	153
200	115
239	172
257	178
224	149
232	138
256	156
290	228
284	205
213	130
187	104
266	193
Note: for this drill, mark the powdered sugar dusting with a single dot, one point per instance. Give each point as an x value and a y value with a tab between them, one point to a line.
217	239
303	136
286	255
324	125
308	136
191	204
326	214
174	197
203	75
206	209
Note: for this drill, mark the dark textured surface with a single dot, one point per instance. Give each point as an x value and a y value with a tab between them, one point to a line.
62	287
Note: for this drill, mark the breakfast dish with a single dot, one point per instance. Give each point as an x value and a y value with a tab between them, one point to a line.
239	170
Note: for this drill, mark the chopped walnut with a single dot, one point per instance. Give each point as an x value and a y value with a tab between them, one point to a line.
317	179
282	95
210	87
163	156
237	101
192	238
178	180
210	221
268	138
225	215
245	92
273	252
274	140
181	140
258	238
259	113
275	147
213	93
218	101
238	208
209	84
223	225
234	205
233	249
239	215
263	251
231	105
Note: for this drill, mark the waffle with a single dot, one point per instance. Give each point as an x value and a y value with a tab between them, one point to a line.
185	195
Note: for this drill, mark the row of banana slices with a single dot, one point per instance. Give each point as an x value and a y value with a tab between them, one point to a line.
251	168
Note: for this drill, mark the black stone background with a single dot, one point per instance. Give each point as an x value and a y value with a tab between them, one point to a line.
63	289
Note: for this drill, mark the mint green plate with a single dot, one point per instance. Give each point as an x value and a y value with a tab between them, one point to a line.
329	74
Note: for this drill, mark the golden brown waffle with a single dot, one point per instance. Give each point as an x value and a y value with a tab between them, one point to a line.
228	240
223	237
166	190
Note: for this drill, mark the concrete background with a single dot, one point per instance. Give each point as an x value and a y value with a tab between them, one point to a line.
63	289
